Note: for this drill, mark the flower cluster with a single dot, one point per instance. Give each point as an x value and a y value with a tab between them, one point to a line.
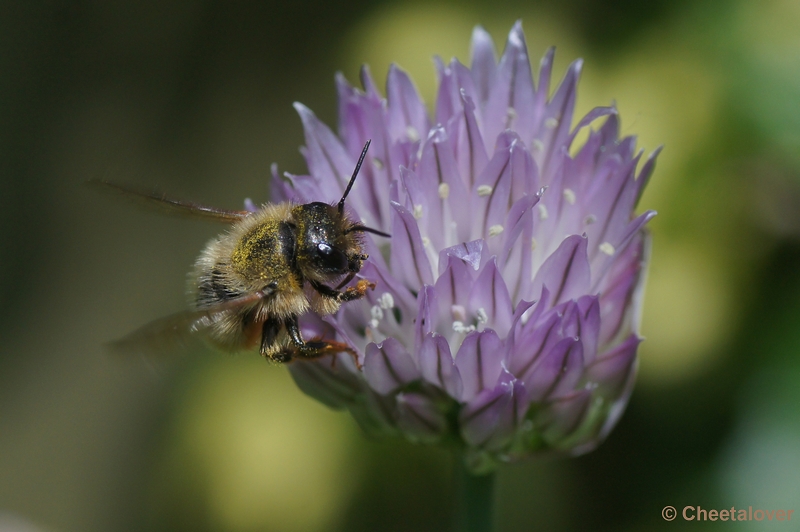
504	319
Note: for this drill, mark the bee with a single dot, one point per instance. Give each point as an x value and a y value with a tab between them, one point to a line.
250	285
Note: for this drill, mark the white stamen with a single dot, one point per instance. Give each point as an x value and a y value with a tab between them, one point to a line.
376	312
607	248
458	312
444	190
537	145
511	113
482	317
386	301
459	327
589	220
426	241
495	230
417	212
412	133
373	323
534	243
542	211
484	190
377	163
551	123
569	196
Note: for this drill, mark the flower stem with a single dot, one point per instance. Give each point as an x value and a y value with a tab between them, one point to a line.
474	499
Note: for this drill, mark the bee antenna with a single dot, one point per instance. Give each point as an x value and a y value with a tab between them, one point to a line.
353	179
365	229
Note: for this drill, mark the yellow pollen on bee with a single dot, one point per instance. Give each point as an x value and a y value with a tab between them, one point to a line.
495	230
484	190
417	212
569	196
444	190
607	248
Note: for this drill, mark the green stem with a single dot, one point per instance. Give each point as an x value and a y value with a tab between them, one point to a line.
474	499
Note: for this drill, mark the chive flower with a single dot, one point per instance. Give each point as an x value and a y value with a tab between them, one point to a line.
505	316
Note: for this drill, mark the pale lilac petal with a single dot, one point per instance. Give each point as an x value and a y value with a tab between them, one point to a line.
566	272
409	261
407	115
490	298
556	123
484	67
479	361
470	149
437	365
332	386
491	419
388	366
511	97
473	253
419	418
611	370
327	159
562	416
556	372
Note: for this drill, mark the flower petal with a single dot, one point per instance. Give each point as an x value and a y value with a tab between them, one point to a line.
409	260
491	419
562	416
484	68
437	365
326	158
611	370
566	272
419	418
407	116
490	298
388	366
558	371
511	97
479	361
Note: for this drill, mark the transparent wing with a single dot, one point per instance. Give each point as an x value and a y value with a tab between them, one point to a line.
165	204
181	332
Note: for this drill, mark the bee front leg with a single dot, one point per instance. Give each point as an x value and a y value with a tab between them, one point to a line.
352	293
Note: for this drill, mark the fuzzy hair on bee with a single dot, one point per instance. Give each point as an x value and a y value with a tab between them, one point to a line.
251	284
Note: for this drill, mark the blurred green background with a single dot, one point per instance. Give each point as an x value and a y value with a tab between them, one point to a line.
195	98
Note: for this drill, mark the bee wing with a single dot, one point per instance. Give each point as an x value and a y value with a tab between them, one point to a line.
181	332
163	203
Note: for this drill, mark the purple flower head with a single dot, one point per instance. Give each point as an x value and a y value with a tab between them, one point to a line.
505	315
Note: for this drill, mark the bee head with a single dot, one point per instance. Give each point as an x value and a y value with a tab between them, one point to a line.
328	242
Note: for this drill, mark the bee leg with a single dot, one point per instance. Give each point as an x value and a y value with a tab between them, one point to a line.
315	348
353	292
269	336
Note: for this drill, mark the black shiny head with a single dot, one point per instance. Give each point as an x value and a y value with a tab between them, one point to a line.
328	242
324	244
